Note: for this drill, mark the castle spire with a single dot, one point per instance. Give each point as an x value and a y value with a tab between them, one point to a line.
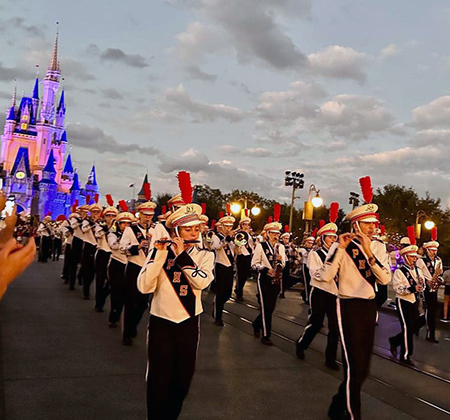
68	167
54	62
76	184
13	100
50	166
36	89
62	104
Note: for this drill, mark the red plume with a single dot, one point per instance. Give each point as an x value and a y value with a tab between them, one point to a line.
88	198
314	232
334	210
60	217
203	208
434	234
109	200
220	214
383	230
411	235
74	208
321	223
49	213
213	224
228	209
76	202
184	183
164	209
96	196
286	228
123	206
247	212
366	188
270	219
276	212
147	191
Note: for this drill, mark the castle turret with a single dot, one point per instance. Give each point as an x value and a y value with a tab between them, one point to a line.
141	194
67	176
35	100
60	112
91	187
47	187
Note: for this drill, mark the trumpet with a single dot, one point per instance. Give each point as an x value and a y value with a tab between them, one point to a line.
209	236
240	239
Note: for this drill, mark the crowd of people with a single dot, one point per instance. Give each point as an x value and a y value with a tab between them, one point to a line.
163	265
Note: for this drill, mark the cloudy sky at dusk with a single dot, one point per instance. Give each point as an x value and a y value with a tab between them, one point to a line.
238	91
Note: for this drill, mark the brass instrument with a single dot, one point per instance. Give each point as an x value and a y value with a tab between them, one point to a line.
209	236
277	266
435	281
240	239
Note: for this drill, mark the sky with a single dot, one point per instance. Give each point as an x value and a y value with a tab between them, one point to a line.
238	91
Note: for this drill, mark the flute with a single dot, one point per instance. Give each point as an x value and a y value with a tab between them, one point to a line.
168	241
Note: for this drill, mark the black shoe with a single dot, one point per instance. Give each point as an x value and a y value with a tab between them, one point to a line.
239	299
407	362
335	414
299	351
267	341
432	340
219	323
112	325
71	287
99	310
392	348
65	282
127	341
282	296
445	320
256	332
332	365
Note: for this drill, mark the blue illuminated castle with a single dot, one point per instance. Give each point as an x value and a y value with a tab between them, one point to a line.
34	166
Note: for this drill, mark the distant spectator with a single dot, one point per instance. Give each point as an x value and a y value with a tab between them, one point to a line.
446	277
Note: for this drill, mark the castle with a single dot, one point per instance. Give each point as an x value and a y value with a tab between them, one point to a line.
33	163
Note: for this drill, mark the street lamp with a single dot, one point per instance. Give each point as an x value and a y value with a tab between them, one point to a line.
236	208
295	180
255	210
354	200
313	202
429	224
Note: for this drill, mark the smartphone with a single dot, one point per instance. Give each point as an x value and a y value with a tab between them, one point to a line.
9	206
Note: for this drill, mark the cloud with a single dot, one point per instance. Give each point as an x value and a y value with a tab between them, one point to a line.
111	93
196	73
10	73
6	95
221	174
251	28
435	114
339	63
390	51
96	139
119	56
19	24
200	112
293	150
431	137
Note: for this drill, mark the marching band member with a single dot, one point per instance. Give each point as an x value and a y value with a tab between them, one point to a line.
177	273
355	262
45	233
323	296
244	256
135	243
175	202
223	247
268	258
77	245
101	229
57	237
285	239
304	251
89	248
117	265
67	232
408	283
431	266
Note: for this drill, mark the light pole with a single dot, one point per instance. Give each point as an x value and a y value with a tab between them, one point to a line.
294	180
429	224
354	200
313	202
236	208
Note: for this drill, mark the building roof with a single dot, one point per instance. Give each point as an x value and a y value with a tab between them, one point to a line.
68	167
11	114
92	178
62	104
76	184
22	161
142	191
64	136
36	89
50	166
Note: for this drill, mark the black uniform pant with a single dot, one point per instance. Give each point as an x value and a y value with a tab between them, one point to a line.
88	267
286	279
408	314
116	277
56	249
102	287
381	295
268	294
66	266
322	303
75	260
306	283
431	301
243	264
224	287
45	247
136	303
356	318
172	352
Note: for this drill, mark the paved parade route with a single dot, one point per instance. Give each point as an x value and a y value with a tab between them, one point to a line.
61	361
